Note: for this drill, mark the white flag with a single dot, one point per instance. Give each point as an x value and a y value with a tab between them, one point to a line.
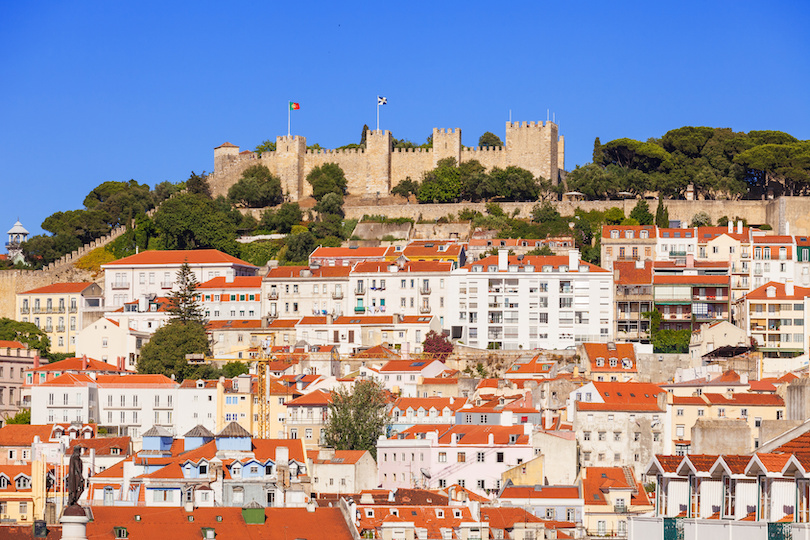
382	100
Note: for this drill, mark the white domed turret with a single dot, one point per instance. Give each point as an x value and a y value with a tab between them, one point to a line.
16	236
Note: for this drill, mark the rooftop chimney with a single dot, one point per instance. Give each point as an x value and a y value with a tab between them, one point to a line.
730	226
36	360
229	275
789	290
739	227
503	260
787	228
84	362
573	260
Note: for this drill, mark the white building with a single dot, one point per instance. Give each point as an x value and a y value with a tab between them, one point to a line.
295	291
196	405
153	273
230	297
405	287
548	302
107	339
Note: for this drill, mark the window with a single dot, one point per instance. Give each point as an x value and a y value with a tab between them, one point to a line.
601	436
461	457
499	457
586	435
442	457
480	457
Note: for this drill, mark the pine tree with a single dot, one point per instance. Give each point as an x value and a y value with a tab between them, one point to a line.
363	136
597	152
183	304
661	214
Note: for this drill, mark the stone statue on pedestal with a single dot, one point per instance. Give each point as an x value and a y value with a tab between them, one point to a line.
75	479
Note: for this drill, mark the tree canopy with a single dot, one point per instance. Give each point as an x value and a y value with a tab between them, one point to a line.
489	139
26	333
438	345
257	188
183	304
357	417
166	351
327	178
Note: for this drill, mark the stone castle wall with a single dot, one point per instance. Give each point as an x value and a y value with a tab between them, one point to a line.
374	170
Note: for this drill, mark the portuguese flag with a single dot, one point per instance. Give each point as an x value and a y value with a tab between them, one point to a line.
294	106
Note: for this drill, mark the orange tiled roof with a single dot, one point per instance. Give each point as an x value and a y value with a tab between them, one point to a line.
538	261
630	275
239	282
4	344
179	256
405	365
699	280
651	229
540	492
23	434
234	324
346	252
318	397
135	379
761	293
60	288
77	364
281	272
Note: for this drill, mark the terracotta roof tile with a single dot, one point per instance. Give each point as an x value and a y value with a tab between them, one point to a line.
60	288
179	256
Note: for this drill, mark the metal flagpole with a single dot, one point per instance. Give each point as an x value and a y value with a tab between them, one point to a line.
289	107
378	113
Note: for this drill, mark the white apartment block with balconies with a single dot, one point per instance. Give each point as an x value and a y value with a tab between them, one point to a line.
299	291
154	273
404	287
531	302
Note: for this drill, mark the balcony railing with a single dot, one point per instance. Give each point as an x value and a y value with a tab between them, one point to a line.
337	295
273	295
120	285
360	309
360	291
73	309
48	329
60	328
424	309
166	284
424	290
25	310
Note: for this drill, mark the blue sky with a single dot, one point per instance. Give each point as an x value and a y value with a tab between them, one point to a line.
98	91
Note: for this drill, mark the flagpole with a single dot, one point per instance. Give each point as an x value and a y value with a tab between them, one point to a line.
289	106
378	113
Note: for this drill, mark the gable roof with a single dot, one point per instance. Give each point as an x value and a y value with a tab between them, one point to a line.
77	364
238	282
23	434
178	257
60	288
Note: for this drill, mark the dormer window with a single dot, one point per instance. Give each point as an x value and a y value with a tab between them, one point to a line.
369	512
628	234
644	234
23	482
203	468
395	512
457	514
600	362
200	384
614	234
614	362
3	482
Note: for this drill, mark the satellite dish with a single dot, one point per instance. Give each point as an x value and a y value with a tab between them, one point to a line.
425	473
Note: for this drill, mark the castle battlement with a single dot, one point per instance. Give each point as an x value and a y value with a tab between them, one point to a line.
534	146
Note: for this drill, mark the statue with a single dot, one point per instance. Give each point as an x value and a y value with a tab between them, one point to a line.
75	479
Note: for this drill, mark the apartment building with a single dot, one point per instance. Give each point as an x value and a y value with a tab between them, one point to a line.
231	297
531	302
108	339
298	291
478	247
403	286
15	359
633	282
773	259
612	495
407	412
609	362
628	243
345	256
61	310
429	250
774	316
306	418
154	273
733	246
686	301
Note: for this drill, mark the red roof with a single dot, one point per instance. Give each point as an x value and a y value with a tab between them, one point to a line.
320	272
651	229
761	293
744	399
620	352
239	282
540	492
629	274
409	266
772	239
538	262
77	364
4	343
318	397
179	256
322	252
406	365
60	288
427	403
631	393
597	481
236	324
470	433
23	434
340	457
69	379
135	379
103	446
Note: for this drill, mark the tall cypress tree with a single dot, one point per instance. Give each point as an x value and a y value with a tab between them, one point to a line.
183	304
597	152
363	136
661	214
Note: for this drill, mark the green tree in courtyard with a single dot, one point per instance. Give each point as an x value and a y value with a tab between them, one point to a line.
357	417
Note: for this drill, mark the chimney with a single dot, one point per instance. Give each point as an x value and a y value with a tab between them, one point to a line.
84	362
739	227
282	456
690	260
36	360
143	304
329	318
787	228
503	260
573	260
229	275
730	226
789	290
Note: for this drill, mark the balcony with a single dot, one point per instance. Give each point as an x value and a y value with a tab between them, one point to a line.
620	509
360	291
73	309
47	329
37	309
424	289
166	284
424	309
60	328
360	309
24	310
273	295
119	285
337	295
677	254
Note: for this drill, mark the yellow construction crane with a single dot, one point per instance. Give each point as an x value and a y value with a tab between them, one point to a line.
262	364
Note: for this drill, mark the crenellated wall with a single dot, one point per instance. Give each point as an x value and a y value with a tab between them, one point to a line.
535	146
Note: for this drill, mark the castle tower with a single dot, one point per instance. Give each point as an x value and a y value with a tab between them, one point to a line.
446	143
534	147
16	236
289	156
378	164
224	154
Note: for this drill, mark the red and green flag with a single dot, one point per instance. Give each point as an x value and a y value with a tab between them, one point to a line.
294	106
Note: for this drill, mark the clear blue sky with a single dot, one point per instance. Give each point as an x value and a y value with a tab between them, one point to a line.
97	91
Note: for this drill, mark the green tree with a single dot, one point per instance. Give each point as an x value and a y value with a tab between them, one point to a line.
490	139
256	188
661	214
641	213
701	219
288	216
299	246
166	351
163	191
597	151
543	251
545	213
629	153
198	184
327	178
183	304
266	146
512	184
406	188
22	417
363	135
357	417
25	332
189	221
614	216
330	204
442	184
234	369
438	345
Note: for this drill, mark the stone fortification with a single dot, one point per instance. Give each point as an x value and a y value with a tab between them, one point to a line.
535	146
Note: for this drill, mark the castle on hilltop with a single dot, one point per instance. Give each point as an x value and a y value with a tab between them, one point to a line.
535	146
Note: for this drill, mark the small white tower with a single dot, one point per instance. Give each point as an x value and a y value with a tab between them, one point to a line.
16	236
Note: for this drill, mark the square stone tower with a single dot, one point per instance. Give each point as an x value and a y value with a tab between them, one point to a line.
289	159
